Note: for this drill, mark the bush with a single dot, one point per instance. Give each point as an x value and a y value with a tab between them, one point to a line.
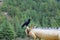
8	32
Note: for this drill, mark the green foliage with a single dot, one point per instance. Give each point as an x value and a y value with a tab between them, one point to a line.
6	29
43	13
1	35
8	32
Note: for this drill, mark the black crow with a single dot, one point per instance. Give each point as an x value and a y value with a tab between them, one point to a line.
26	23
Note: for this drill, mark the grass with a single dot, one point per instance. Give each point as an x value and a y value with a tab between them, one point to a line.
22	39
26	39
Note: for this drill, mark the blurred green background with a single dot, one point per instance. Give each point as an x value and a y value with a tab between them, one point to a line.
13	13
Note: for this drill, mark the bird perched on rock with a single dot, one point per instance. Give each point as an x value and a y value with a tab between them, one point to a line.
26	23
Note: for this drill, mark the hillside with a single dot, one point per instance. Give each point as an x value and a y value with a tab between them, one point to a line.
43	13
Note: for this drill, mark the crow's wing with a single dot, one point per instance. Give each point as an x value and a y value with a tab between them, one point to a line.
26	23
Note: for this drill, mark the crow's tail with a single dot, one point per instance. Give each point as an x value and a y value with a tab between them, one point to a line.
23	25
